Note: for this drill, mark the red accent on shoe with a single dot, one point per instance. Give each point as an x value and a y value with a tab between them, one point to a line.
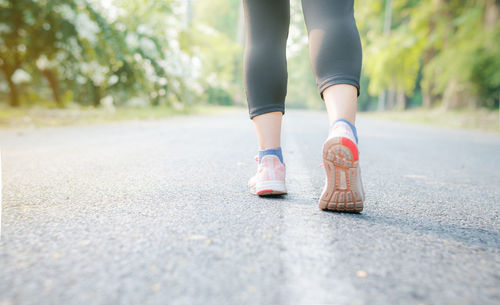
354	149
266	191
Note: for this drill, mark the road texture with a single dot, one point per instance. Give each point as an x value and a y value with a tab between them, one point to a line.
157	212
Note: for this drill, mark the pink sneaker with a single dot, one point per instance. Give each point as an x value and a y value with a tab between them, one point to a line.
343	189
270	177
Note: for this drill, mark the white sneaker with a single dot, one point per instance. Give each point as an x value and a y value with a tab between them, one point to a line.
270	177
343	190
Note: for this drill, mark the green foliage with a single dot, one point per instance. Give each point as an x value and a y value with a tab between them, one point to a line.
302	91
454	44
178	52
366	102
212	41
219	96
221	15
80	49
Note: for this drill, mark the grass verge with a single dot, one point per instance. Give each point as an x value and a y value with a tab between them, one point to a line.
486	120
41	117
480	119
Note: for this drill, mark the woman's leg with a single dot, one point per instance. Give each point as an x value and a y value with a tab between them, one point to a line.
335	52
265	71
268	129
341	101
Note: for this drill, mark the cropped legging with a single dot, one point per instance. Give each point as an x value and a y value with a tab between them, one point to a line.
334	49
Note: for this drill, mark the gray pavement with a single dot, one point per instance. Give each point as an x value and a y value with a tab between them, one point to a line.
157	212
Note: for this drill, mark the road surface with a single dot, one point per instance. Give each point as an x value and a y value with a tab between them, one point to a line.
157	212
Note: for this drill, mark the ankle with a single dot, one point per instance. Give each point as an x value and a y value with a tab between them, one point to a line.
345	125
271	151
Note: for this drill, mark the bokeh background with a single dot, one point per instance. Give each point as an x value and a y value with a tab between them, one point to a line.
86	55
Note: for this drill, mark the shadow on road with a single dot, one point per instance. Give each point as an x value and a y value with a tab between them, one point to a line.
481	238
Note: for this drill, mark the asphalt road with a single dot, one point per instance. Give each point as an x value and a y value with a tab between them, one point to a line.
157	212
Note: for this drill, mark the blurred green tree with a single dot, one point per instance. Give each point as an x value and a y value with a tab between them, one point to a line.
88	52
453	43
178	52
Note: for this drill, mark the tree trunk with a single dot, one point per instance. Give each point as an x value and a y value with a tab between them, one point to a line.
240	33
54	85
428	97
454	96
13	93
426	100
381	100
391	99
491	14
400	100
449	96
383	103
97	95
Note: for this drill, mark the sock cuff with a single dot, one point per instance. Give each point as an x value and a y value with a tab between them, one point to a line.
272	151
353	128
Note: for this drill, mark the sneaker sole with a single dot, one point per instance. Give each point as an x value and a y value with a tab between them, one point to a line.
342	192
273	187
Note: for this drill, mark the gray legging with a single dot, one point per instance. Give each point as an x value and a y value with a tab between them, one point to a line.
334	46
